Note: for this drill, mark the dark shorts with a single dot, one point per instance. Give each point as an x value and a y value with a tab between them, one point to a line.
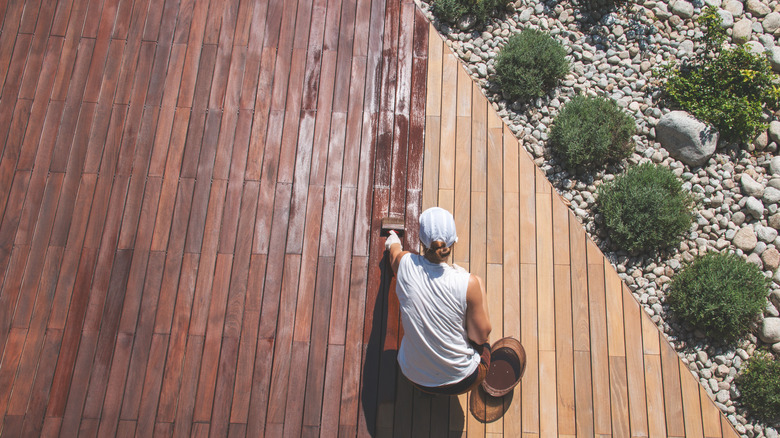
468	383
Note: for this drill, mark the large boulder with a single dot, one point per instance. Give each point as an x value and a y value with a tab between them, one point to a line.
686	138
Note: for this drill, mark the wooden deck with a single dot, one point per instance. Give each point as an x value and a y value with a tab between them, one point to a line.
190	197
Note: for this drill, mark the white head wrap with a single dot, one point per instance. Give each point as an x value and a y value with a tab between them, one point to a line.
437	224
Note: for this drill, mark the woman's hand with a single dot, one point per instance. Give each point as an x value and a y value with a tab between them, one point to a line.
391	240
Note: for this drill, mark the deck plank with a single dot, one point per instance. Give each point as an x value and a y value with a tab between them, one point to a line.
635	366
710	415
529	339
691	403
655	399
495	181
563	341
544	272
673	401
598	340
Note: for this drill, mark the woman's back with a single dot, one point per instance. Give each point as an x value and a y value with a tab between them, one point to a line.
435	349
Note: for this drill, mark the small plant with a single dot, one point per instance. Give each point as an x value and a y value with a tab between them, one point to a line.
713	33
760	387
454	10
590	131
645	209
720	294
727	88
530	64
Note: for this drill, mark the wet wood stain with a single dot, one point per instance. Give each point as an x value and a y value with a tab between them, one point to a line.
504	369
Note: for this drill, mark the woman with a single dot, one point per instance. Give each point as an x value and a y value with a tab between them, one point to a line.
444	312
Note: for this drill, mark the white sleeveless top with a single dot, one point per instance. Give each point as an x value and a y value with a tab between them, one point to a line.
435	350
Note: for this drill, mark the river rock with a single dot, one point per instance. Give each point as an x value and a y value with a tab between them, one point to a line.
774	58
757	8
683	9
743	29
771	22
686	138
750	186
774	135
774	297
726	19
756	260
661	11
771	259
745	239
771	195
766	234
762	139
754	207
774	221
735	7
756	48
769	331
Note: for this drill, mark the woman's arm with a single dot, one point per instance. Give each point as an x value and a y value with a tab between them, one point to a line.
477	319
395	251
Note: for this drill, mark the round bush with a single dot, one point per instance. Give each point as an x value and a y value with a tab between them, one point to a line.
529	65
645	209
760	387
720	294
453	10
592	130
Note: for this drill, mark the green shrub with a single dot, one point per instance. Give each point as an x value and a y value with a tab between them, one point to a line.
760	387
727	88
530	64
645	209
453	10
720	294
592	130
601	5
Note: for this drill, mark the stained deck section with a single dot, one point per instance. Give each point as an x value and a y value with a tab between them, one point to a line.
190	200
